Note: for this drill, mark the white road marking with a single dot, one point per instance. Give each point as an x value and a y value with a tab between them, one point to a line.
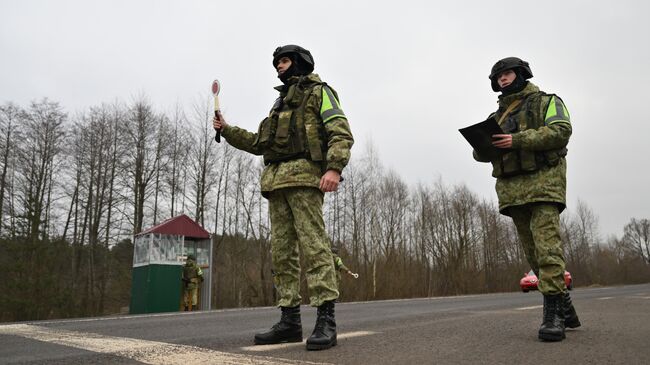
527	308
605	298
149	315
148	352
260	348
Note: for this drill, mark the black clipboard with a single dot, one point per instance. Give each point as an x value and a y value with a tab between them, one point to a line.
479	136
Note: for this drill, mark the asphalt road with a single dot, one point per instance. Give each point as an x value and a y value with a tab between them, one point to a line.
485	329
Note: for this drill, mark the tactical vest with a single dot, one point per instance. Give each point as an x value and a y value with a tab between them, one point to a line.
287	134
190	272
530	114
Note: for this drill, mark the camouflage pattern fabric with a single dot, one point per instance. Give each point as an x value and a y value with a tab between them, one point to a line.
339	266
300	172
297	223
190	295
193	274
538	226
547	184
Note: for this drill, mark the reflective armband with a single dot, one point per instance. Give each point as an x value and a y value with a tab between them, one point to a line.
556	112
330	107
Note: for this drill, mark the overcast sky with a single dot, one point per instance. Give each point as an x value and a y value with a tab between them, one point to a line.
408	73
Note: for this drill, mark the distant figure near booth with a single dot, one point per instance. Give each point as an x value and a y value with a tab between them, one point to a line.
340	266
531	182
192	277
305	141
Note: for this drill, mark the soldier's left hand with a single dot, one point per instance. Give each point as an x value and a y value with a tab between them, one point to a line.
502	140
330	181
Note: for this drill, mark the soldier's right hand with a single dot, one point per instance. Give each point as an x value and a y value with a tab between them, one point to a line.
502	140
218	122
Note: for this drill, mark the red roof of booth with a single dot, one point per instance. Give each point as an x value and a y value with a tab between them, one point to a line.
181	225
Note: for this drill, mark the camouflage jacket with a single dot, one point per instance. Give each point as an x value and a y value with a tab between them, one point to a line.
192	275
552	132
338	264
300	172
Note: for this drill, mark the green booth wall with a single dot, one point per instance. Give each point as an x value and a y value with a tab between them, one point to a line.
156	288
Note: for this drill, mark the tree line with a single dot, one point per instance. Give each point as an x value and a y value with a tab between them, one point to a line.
75	188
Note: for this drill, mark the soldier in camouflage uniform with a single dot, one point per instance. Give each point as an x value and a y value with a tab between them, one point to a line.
339	266
192	277
305	141
531	182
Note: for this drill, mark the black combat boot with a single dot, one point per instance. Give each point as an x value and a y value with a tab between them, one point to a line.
289	329
552	328
570	316
324	335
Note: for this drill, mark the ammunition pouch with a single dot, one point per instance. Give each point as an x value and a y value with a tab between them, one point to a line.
266	132
286	134
316	141
518	162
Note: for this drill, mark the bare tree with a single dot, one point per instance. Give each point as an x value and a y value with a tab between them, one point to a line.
37	155
203	159
143	129
229	154
178	160
502	255
637	237
97	149
580	234
9	118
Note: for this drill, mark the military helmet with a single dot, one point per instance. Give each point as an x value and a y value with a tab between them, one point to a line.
509	63
304	54
191	257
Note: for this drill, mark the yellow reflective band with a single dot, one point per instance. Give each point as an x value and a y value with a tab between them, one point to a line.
556	112
551	111
329	108
327	103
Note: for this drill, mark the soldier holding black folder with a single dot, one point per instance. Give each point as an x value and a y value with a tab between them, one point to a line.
530	168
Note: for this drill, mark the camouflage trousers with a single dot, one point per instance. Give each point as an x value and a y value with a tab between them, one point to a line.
297	224
190	296
538	226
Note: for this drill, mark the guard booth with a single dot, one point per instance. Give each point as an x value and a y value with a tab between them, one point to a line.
159	255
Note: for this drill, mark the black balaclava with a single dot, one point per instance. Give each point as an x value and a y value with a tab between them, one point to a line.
297	68
518	84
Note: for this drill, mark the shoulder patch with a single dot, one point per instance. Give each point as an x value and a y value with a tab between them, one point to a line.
330	107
